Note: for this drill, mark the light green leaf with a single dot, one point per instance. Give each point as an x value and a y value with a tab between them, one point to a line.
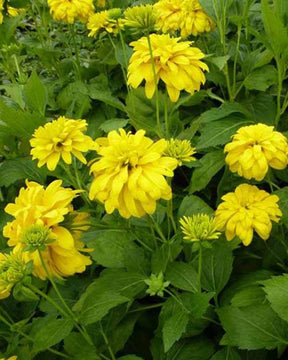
276	289
182	276
210	163
261	79
35	94
253	327
113	124
173	328
51	333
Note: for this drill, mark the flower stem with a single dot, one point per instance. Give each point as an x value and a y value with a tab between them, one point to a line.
200	266
158	229
67	308
76	50
107	343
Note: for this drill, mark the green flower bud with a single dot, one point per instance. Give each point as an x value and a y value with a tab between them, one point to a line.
199	227
156	284
36	237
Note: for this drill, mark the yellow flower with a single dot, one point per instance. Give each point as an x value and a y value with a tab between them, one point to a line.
101	3
130	175
14	11
181	150
59	139
70	10
12	271
186	16
1	10
140	17
245	210
108	21
39	211
199	227
177	64
10	358
254	148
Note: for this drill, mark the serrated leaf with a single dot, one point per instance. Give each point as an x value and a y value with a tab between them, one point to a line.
78	348
173	328
226	354
35	94
52	333
220	132
218	262
182	276
163	255
252	295
95	307
276	290
210	163
192	205
261	79
253	327
197	348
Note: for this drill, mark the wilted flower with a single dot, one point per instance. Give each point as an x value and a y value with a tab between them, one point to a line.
245	210
38	214
199	227
130	174
12	271
177	64
70	10
58	139
180	150
140	18
156	284
186	16
107	21
254	148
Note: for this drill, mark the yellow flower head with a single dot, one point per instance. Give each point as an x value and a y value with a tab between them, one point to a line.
38	213
70	10
254	148
140	17
186	16
12	270
130	174
101	3
107	21
181	150
199	227
245	210
10	11
59	139
10	358
177	64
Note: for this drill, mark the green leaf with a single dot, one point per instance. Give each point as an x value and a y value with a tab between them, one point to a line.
251	295
110	246
130	357
100	91
283	203
224	111
210	163
74	98
113	124
95	307
193	205
35	94
197	348
218	262
163	255
174	328
78	348
51	334
276	289
18	169
219	61
182	276
275	29
253	327
227	353
261	79
220	132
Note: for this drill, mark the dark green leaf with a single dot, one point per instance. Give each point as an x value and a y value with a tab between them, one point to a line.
192	205
173	328
183	276
35	94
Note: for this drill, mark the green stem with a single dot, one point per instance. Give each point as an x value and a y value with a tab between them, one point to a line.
67	308
80	186
167	126
143	308
158	229
200	266
107	343
156	86
76	50
279	92
236	59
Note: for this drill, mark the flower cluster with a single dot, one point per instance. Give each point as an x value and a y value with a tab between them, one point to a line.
130	174
245	210
186	16
254	149
58	139
70	10
38	213
176	63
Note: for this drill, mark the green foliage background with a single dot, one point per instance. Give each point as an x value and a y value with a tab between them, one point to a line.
243	311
